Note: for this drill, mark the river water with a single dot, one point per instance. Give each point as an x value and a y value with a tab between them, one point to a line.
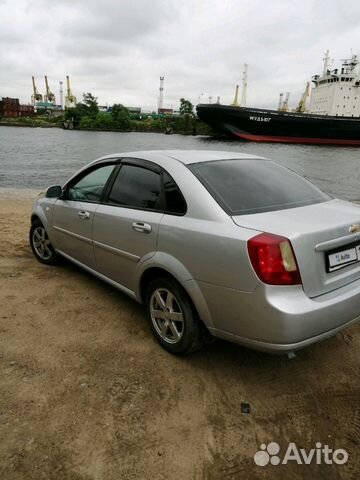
34	158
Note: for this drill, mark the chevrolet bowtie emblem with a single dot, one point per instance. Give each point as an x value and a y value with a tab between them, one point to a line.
354	228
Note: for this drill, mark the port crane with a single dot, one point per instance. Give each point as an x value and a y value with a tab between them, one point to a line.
236	99
49	96
302	103
36	96
70	99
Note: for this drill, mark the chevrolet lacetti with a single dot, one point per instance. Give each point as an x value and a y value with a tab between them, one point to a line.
218	243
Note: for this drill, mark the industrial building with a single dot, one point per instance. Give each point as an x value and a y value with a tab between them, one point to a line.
11	107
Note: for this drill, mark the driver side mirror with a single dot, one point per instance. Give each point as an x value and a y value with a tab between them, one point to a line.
54	192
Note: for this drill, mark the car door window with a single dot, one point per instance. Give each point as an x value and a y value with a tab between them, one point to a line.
90	187
174	199
136	187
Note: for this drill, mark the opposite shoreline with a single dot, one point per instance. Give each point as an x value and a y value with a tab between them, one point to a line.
199	130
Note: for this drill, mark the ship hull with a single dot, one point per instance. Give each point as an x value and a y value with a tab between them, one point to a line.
260	125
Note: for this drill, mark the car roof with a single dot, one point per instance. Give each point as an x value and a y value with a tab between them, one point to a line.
184	156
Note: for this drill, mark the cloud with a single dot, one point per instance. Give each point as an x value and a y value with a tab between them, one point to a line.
117	49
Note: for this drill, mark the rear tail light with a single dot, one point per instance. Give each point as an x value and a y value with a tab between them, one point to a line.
273	259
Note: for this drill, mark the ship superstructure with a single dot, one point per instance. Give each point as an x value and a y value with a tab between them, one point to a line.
337	92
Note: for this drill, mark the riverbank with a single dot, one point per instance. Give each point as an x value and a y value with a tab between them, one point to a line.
166	125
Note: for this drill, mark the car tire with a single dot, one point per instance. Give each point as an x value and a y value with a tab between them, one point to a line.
172	316
41	245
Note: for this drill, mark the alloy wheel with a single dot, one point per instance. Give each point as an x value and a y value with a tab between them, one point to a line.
41	243
167	315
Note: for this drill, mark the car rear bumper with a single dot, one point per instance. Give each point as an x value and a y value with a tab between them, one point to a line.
280	319
279	347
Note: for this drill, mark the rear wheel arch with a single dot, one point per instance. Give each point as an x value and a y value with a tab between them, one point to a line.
188	284
149	275
161	264
172	315
158	272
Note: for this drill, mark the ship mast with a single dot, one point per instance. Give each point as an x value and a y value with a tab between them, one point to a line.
284	106
244	86
326	61
349	64
280	101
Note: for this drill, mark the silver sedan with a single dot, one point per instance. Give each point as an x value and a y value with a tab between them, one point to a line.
215	244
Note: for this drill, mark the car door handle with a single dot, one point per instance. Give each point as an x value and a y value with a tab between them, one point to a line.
141	227
84	215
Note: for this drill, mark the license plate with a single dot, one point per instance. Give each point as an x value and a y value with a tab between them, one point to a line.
343	258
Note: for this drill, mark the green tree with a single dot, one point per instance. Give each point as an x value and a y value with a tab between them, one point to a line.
87	108
121	116
86	122
186	107
104	121
90	105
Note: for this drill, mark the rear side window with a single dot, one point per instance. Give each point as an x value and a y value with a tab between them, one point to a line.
136	187
253	186
174	201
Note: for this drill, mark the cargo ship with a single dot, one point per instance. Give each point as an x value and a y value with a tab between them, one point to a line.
332	118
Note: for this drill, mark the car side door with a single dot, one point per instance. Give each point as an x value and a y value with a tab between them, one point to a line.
126	224
74	213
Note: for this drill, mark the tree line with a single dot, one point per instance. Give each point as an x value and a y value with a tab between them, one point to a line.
87	115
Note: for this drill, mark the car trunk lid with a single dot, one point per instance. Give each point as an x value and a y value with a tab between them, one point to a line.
317	233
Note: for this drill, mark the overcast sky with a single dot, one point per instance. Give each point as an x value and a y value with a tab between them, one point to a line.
117	49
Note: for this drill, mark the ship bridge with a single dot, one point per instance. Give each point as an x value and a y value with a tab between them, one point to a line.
336	92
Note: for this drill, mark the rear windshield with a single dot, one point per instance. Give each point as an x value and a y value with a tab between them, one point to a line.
253	186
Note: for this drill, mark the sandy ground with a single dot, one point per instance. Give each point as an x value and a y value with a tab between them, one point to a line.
86	393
